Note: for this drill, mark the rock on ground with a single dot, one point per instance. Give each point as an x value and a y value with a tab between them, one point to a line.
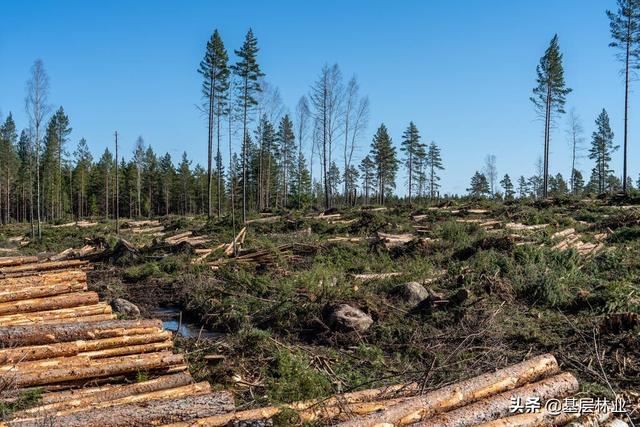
124	307
411	293
345	318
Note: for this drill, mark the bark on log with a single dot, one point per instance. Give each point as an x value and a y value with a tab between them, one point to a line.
51	334
32	292
63	399
44	279
91	404
65	320
311	410
21	269
64	315
144	413
17	260
75	299
498	406
461	393
80	347
97	369
540	418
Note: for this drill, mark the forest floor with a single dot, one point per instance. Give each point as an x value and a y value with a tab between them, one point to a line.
502	281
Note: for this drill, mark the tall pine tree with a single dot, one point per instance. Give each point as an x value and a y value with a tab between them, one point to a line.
625	32
248	72
549	97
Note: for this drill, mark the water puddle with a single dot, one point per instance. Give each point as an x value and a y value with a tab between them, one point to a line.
173	321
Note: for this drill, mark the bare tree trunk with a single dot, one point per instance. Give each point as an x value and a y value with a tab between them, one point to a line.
626	105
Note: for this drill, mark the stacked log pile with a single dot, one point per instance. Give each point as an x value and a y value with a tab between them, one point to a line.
56	336
570	239
187	237
486	400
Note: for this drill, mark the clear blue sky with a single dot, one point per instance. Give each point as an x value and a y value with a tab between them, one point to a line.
462	71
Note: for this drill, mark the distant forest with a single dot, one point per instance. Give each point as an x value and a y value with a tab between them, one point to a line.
278	160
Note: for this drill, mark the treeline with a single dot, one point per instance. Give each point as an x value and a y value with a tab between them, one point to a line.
271	153
602	179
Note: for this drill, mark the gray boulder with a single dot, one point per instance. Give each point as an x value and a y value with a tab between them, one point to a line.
345	318
411	292
124	307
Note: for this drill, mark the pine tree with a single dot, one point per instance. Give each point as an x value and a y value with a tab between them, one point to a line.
215	73
383	154
479	185
507	185
248	72
433	164
549	97
601	150
410	145
625	32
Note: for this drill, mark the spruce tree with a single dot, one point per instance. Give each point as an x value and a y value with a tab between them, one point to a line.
507	186
549	97
625	32
215	84
410	145
578	183
523	187
287	151
601	149
248	72
383	154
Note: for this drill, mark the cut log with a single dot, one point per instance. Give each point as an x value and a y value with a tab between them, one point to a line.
127	344
175	239
91	404
97	369
17	260
376	276
76	397
311	410
147	230
43	279
27	293
563	233
52	334
37	320
64	315
462	393
75	299
263	220
144	413
26	269
499	406
234	246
